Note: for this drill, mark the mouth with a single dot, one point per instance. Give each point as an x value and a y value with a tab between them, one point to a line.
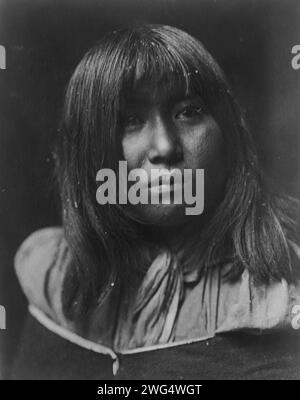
163	188
164	180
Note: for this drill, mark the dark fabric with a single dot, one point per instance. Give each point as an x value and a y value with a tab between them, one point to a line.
230	356
44	355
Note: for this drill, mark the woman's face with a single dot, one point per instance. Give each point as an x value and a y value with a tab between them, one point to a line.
163	132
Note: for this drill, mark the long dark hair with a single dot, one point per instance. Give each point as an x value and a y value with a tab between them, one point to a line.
107	245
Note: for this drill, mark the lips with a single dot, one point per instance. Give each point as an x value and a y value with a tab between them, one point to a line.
165	188
163	178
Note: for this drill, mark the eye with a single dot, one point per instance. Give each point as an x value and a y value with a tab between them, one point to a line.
131	122
190	112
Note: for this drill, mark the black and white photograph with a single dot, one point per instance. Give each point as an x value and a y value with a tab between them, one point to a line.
149	192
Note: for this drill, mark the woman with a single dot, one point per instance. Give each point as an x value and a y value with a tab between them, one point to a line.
140	277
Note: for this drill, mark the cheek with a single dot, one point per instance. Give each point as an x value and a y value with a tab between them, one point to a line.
205	149
204	145
133	150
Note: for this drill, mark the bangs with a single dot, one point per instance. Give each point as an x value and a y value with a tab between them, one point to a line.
163	67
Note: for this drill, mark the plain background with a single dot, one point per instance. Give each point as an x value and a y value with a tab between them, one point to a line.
44	40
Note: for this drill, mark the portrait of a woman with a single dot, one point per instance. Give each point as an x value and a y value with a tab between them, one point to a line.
147	284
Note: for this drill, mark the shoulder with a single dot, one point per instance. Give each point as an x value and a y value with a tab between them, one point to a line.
40	265
248	305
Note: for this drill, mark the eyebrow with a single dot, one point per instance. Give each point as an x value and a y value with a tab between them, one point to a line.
144	99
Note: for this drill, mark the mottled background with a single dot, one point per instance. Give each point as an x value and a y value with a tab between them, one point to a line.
44	40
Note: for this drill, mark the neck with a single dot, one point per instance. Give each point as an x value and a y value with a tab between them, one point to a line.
176	237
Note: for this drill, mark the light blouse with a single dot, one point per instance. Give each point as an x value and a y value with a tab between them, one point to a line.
170	306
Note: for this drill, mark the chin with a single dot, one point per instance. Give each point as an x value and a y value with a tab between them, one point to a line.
163	214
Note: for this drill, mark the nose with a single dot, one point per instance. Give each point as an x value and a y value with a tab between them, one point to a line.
165	146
